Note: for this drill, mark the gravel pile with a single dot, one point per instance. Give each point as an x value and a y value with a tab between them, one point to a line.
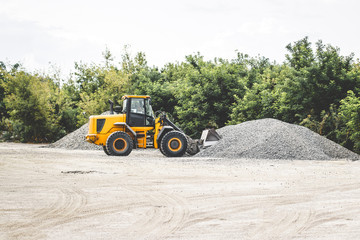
76	140
274	139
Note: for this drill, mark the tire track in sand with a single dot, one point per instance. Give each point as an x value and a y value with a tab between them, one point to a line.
284	224
166	214
68	204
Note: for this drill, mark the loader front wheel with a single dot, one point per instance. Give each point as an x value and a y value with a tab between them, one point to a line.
105	150
119	144
173	144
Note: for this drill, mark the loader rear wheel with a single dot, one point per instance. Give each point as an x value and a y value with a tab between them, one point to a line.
119	144
173	144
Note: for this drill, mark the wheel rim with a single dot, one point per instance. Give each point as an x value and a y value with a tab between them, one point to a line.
119	144
174	144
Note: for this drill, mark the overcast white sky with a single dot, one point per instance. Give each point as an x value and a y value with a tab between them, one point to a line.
36	32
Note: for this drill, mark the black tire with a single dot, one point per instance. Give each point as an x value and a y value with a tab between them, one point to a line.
162	151
159	144
173	144
106	151
119	144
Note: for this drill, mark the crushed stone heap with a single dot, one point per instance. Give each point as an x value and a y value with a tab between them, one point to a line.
274	139
76	140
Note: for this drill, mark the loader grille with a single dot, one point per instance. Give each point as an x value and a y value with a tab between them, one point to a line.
99	124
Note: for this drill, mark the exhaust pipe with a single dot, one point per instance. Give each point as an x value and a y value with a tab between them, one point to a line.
111	107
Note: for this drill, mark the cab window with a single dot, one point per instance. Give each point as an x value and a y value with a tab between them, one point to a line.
149	113
124	106
137	106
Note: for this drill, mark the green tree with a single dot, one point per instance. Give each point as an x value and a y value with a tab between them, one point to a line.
301	54
67	107
115	85
4	74
3	112
319	81
205	91
350	112
88	77
29	102
150	81
266	97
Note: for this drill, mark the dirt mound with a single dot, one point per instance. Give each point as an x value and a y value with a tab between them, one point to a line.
274	139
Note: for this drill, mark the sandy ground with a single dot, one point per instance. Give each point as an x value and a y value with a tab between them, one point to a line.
73	194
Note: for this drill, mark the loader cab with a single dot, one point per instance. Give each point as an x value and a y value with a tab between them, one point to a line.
138	111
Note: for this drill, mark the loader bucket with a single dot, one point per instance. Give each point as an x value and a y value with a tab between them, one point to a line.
193	146
209	137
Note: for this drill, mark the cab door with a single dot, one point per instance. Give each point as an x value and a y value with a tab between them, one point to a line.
136	113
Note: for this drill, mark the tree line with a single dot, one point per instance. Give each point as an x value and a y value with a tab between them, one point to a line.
315	87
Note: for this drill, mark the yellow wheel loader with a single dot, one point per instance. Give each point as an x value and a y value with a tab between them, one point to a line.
135	126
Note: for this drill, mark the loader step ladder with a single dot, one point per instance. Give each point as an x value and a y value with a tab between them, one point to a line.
141	139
